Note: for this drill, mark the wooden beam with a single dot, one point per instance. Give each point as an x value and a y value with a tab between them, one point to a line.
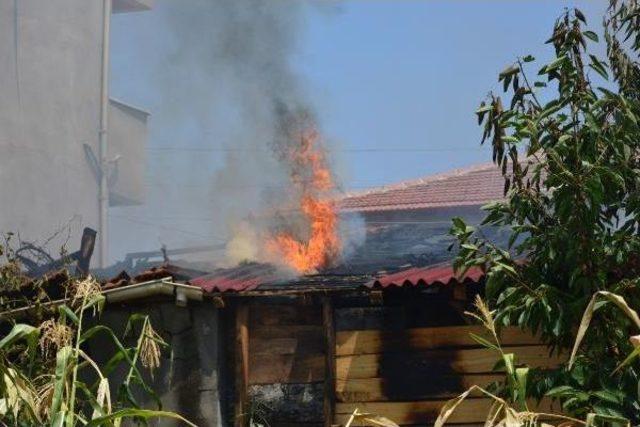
382	389
450	361
377	341
277	315
286	331
286	368
330	362
241	363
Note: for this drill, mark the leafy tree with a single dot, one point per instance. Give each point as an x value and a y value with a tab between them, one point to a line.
568	146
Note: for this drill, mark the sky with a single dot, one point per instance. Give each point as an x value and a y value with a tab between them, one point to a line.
394	85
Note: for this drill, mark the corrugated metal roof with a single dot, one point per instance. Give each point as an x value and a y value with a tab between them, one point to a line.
475	185
266	277
441	274
244	277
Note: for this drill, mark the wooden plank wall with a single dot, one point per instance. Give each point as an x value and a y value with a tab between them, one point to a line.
408	374
287	363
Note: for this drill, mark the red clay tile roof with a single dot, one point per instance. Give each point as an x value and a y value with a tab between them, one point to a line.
475	185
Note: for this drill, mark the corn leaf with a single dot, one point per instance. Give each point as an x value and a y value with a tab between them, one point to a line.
19	332
588	314
63	359
627	360
137	413
521	379
449	408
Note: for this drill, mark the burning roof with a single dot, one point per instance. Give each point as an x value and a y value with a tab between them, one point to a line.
266	278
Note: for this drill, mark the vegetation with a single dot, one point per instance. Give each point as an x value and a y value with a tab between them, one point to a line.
47	378
513	409
568	145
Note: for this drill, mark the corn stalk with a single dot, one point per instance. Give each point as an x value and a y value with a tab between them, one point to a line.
59	398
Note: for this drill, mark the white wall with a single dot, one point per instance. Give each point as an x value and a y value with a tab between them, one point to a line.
50	56
50	75
128	134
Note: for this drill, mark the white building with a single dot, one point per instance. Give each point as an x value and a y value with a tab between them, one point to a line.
51	84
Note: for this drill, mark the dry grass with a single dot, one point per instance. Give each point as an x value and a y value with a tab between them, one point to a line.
53	336
368	419
150	347
84	290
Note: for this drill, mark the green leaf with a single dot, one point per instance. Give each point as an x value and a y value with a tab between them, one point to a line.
599	67
483	342
521	375
630	358
608	396
588	314
555	64
484	108
19	332
459	227
58	419
560	391
509	360
63	361
66	312
591	35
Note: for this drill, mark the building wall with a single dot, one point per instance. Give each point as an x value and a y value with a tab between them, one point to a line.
127	143
400	355
286	364
50	79
50	56
187	381
408	374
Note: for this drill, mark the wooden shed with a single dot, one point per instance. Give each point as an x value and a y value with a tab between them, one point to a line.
249	345
310	350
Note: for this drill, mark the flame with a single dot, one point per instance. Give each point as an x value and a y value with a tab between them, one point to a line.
311	174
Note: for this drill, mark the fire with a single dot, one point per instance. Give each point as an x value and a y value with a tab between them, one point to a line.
311	175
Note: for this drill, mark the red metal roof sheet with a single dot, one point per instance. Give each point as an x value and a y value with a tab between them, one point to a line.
426	276
241	278
256	276
475	185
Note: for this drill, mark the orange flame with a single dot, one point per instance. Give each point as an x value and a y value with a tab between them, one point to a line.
311	174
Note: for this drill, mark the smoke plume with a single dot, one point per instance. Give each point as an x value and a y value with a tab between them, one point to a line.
243	90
